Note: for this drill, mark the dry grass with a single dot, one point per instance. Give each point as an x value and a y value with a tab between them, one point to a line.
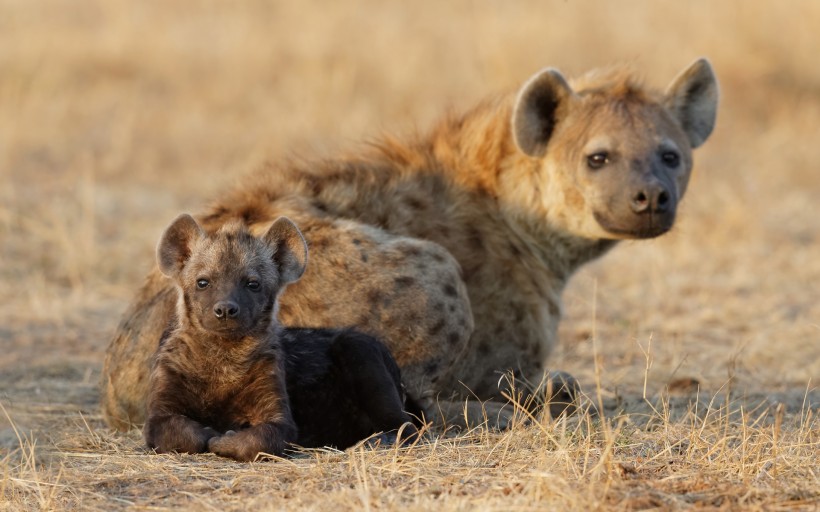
702	346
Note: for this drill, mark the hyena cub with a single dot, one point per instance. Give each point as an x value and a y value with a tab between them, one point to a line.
228	379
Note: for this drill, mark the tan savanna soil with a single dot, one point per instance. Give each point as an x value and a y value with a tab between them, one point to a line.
703	345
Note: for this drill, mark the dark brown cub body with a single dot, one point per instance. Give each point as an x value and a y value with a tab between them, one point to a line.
217	381
228	379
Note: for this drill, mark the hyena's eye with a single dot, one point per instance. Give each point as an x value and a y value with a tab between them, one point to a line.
670	158
202	283
598	160
253	285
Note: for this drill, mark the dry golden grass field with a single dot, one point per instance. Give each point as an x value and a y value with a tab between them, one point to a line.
703	345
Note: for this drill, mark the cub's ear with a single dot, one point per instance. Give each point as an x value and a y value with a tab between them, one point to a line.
540	104
175	246
693	99
289	249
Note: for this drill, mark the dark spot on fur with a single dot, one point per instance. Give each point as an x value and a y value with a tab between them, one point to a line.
451	307
437	327
453	338
356	241
484	349
409	249
374	296
431	368
404	281
251	215
514	250
363	256
518	316
316	185
415	203
317	243
450	290
439	258
475	239
321	206
412	318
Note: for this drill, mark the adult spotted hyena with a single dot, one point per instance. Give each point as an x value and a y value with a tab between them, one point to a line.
454	247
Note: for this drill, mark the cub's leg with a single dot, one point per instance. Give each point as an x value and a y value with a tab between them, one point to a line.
168	428
176	433
246	444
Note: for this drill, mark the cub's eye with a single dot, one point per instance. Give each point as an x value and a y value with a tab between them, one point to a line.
598	160
253	285
670	158
202	283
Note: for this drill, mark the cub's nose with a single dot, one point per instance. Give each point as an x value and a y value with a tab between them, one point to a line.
226	309
652	198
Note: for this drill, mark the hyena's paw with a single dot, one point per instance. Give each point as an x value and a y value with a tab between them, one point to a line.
469	414
405	436
233	446
562	393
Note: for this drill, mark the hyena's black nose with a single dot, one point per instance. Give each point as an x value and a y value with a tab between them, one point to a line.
226	309
652	198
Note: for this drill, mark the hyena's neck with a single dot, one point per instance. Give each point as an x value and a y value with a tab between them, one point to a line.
479	152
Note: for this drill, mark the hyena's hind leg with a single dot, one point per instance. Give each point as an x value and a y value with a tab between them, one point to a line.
126	372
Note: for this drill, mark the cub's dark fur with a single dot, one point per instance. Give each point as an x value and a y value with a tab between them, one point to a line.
344	386
227	378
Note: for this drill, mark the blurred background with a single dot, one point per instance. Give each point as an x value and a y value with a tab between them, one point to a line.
116	116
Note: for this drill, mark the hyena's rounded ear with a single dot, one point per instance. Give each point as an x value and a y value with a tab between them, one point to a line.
289	249
693	99
176	244
539	106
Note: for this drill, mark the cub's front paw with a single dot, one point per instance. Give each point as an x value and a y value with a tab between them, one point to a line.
232	446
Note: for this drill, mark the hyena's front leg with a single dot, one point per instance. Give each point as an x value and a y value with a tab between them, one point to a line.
502	372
